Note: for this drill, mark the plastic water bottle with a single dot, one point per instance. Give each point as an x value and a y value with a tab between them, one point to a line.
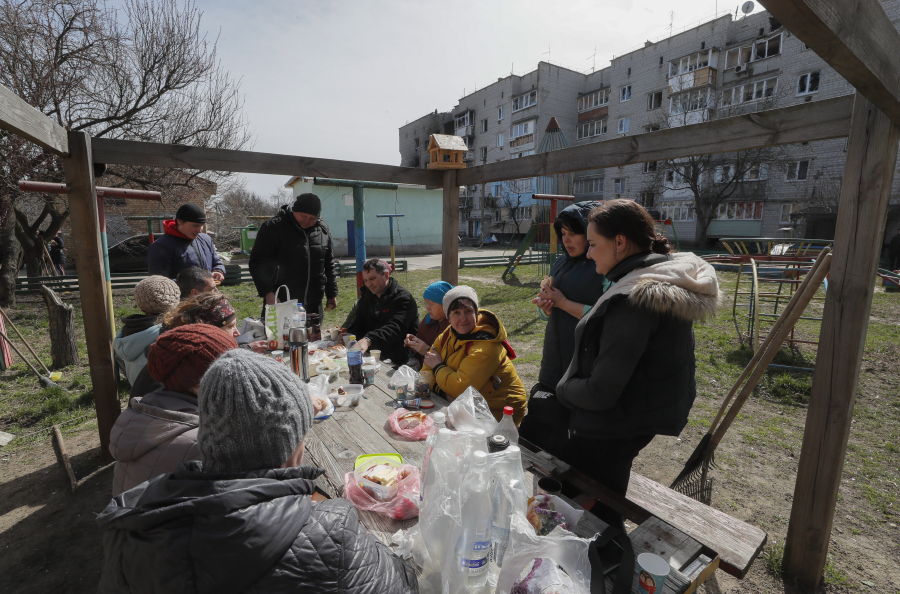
479	441
474	543
354	362
507	426
502	509
440	422
299	320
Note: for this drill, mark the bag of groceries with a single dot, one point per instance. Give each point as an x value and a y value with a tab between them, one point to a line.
278	319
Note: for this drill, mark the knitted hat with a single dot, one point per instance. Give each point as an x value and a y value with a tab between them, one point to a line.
191	213
180	357
308	204
221	315
436	291
156	294
253	413
457	292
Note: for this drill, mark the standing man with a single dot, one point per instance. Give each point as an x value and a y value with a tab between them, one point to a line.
293	248
184	245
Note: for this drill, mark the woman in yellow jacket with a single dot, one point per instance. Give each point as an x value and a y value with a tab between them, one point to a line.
474	352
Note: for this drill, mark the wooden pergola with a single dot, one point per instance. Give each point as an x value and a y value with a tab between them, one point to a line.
856	38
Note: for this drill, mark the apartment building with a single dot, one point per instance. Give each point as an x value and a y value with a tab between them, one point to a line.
720	68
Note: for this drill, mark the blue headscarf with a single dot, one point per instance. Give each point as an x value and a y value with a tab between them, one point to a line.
435	292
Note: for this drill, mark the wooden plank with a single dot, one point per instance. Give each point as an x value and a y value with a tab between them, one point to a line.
151	154
807	122
450	235
865	194
21	119
92	283
62	456
856	38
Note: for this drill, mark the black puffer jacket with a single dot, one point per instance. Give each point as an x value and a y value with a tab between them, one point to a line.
287	254
386	320
191	532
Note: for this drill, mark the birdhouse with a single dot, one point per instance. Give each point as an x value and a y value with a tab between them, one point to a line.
446	151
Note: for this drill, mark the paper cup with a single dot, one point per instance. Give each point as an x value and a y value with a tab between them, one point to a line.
369	374
652	573
334	334
375	353
549	486
348	338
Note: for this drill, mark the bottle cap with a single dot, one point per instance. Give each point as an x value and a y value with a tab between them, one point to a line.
498	443
507	410
479	457
439	417
514	449
480	432
444	434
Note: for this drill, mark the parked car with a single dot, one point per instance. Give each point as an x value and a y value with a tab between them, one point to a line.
129	255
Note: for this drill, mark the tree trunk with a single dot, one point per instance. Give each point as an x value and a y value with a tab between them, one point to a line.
702	226
64	347
9	261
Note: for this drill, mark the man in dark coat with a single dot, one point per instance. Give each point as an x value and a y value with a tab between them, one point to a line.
242	518
385	313
184	245
293	248
894	251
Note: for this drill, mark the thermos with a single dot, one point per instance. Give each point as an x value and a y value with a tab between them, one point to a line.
299	343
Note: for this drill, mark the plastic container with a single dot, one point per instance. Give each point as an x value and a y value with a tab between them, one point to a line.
351	398
376	491
332	371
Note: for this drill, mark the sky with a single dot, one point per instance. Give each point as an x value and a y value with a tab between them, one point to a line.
336	79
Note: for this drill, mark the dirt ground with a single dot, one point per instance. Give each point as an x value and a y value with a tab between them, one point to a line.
49	541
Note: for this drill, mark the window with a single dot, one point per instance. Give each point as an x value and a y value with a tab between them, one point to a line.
484	125
689	63
500	139
808	83
522	129
690	101
589	186
649	166
483	154
496	191
787	210
682	210
496	216
767	48
523	101
654	100
750	92
625	94
757	173
417	144
623	126
523	213
670	176
651	127
629	72
620	185
521	154
592	100
647	199
740	210
595	128
464	120
737	56
723	174
797	170
500	112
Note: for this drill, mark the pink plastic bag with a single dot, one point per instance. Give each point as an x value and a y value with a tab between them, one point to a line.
412	429
401	507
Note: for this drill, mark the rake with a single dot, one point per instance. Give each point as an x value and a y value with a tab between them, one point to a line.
53	375
692	480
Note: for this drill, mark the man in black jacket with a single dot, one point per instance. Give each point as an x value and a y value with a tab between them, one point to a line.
385	313
293	248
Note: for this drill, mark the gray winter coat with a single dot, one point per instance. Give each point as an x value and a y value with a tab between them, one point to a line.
192	532
152	437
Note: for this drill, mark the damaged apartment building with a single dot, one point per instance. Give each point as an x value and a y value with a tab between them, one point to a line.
723	67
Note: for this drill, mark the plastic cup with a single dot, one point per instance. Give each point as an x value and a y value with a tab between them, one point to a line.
375	353
369	374
549	486
652	574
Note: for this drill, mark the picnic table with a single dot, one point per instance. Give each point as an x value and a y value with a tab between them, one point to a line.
334	443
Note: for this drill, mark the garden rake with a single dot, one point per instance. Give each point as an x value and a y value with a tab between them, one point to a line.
693	480
53	375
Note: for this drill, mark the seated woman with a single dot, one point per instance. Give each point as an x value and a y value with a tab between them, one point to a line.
473	352
154	296
566	296
435	321
632	373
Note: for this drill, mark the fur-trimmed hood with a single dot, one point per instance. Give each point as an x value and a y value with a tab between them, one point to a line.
684	286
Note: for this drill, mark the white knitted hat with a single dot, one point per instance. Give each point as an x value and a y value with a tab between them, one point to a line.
457	292
156	294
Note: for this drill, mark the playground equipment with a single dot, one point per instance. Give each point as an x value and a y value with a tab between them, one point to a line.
661	229
390	218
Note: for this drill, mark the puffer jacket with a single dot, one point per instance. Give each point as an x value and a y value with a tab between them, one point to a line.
578	280
173	252
153	436
130	350
633	369
285	253
473	359
191	532
386	320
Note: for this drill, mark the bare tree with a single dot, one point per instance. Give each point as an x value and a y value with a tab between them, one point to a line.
142	72
512	195
231	209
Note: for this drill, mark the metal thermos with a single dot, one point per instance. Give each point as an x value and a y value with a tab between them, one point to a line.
299	343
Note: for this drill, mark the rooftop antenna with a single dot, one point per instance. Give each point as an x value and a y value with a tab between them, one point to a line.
594	58
548	53
747	7
671	22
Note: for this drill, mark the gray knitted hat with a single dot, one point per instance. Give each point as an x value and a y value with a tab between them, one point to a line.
457	292
253	413
156	294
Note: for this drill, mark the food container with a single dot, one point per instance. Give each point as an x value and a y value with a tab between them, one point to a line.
330	370
379	492
351	398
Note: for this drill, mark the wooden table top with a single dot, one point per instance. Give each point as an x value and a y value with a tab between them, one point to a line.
334	444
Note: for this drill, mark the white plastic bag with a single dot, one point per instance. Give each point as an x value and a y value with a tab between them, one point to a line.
470	411
278	319
560	546
405	378
252	330
318	388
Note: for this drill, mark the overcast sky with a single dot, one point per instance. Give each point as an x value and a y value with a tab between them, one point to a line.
337	79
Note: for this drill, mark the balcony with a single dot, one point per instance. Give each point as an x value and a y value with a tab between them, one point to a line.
521	141
593	114
469	156
690	80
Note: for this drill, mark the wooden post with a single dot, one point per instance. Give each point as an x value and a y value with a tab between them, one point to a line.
61	316
91	282
450	240
869	171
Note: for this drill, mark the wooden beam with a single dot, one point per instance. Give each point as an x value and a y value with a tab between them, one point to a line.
855	38
151	154
450	239
807	122
21	119
79	172
865	192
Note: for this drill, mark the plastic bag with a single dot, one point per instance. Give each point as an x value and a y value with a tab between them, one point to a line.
560	547
252	330
470	411
412	429
546	512
544	577
278	319
318	388
404	379
401	507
